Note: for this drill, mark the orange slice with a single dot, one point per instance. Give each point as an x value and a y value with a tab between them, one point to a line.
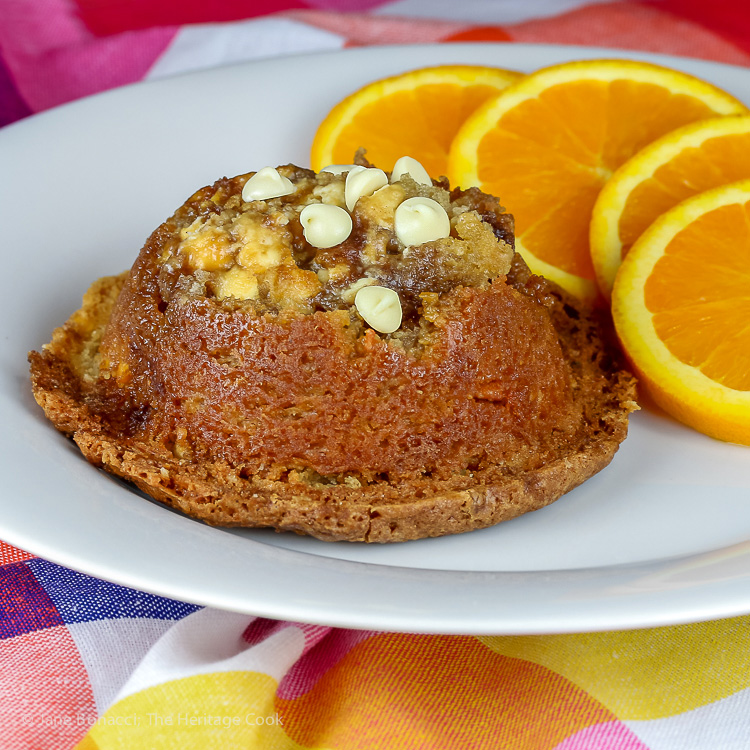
688	161
547	144
681	306
414	114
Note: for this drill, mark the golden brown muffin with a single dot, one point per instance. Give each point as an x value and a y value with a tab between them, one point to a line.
236	372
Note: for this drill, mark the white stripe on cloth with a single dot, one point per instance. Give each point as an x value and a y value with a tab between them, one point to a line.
111	649
201	46
722	725
209	641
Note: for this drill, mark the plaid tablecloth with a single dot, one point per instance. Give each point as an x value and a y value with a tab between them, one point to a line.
89	664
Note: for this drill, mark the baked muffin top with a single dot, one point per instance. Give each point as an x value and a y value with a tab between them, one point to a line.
352	355
245	332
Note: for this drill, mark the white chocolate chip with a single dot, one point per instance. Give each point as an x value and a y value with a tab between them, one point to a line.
420	220
325	225
407	165
380	307
363	182
266	183
341	168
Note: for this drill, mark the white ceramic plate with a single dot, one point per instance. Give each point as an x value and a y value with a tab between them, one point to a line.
661	536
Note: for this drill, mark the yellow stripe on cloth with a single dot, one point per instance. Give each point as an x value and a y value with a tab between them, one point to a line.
645	674
222	710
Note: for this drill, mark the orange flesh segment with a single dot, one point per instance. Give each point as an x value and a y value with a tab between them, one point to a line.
639	113
422	121
717	162
531	175
553	154
699	295
546	240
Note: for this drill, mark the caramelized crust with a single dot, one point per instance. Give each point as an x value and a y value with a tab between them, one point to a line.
278	406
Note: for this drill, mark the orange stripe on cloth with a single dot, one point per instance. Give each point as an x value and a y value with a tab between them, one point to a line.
480	34
416	691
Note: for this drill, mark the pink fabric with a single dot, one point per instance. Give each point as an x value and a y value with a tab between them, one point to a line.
611	735
49	658
328	652
54	58
370	30
631	26
345	6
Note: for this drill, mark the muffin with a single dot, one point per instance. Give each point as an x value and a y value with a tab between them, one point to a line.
351	354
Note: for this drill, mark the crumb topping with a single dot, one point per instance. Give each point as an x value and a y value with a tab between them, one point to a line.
288	239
